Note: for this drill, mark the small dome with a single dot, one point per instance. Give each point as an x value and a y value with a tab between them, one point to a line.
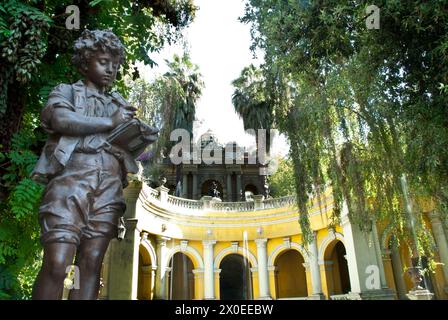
207	138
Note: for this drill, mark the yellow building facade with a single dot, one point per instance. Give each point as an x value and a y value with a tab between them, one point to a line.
178	248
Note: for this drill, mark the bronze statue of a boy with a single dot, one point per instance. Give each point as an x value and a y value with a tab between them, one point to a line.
83	200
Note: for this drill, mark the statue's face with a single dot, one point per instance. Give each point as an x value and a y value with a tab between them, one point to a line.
102	69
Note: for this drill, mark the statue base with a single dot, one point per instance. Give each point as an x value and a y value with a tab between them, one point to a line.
420	294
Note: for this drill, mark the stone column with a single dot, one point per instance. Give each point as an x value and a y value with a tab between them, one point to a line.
217	276
161	283
195	186
314	269
379	256
229	187
184	185
252	283
123	278
209	288
239	191
147	273
168	284
361	255
397	268
153	281
273	280
198	284
124	254
263	275
441	241
326	268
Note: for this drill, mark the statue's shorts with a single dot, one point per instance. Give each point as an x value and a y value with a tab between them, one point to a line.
84	201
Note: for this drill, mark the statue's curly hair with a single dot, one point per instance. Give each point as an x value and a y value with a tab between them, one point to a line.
92	41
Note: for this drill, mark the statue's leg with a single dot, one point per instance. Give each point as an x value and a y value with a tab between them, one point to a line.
50	280
89	259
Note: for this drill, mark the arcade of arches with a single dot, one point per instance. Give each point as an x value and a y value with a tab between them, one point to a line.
196	249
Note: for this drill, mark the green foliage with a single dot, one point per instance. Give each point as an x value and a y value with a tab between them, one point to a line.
252	102
35	50
362	108
169	103
282	181
19	254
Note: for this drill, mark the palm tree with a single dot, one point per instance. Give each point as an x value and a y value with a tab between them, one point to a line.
185	81
168	103
183	84
251	103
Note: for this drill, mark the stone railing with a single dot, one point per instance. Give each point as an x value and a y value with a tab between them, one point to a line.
279	202
185	203
161	197
232	206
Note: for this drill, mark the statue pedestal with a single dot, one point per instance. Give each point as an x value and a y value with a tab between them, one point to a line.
420	294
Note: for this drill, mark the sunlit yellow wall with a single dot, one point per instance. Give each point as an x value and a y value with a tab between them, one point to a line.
291	275
277	224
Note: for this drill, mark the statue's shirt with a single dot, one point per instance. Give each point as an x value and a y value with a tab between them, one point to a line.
59	148
97	105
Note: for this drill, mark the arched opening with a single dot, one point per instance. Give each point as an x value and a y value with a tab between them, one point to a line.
207	186
181	278
145	285
336	269
235	282
249	191
290	275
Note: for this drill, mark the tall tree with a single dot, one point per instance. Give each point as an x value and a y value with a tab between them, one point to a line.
251	102
169	102
361	107
36	49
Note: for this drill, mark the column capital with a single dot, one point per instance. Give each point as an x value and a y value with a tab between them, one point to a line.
132	191
217	271
161	241
253	270
306	265
198	271
208	243
131	223
144	236
434	216
148	269
386	253
261	242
